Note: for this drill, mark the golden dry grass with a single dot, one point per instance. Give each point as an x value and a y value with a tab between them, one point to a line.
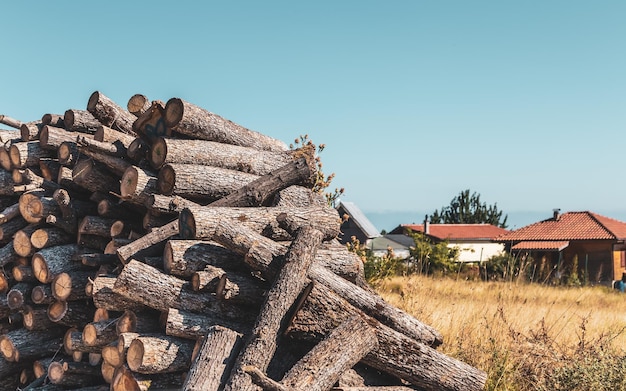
518	333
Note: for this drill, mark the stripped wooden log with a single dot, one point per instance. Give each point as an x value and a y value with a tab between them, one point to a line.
80	120
110	113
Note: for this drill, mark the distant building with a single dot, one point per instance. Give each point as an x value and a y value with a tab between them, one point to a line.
594	243
474	241
355	223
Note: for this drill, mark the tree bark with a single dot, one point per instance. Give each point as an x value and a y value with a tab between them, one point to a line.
27	154
99	334
193	121
36	318
261	190
185	257
149	241
168	204
71	313
297	196
80	120
48	237
396	354
289	283
72	374
110	113
151	123
126	380
8	121
211	366
73	342
208	279
165	354
49	168
42	294
29	131
55	120
10	228
22	345
103	296
191	325
51	137
90	176
196	182
18	295
200	222
217	154
49	262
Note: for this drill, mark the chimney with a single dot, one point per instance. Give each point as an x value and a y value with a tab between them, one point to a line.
555	214
426	225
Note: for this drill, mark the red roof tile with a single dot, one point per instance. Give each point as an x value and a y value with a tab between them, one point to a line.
459	231
570	226
541	245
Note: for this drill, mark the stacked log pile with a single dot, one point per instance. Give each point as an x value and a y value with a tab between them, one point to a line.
162	246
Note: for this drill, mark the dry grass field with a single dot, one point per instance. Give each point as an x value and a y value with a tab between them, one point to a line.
525	336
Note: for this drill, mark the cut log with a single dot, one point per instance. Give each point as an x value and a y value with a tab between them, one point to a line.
36	318
185	257
149	286
149	241
110	113
168	204
71	313
291	280
191	325
27	154
73	342
137	184
108	135
101	147
262	190
71	286
138	104
93	178
21	273
137	150
396	354
200	222
10	213
217	154
126	380
208	279
42	294
241	289
29	131
80	120
198	182
55	120
111	356
49	262
8	121
73	374
165	354
22	345
211	366
100	333
151	123
49	168
68	153
193	121
8	229
18	295
114	164
51	138
340	350
48	237
96	225
103	296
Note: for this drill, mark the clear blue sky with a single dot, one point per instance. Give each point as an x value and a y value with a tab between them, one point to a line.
523	102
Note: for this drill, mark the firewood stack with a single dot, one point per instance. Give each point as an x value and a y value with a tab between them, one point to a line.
164	247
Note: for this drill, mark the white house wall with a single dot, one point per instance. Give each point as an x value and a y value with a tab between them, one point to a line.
477	252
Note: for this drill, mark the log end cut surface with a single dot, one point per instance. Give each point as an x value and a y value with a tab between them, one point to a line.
128	184
174	109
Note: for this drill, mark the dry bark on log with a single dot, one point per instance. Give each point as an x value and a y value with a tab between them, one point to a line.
48	237
55	120
126	380
217	154
29	131
216	356
110	113
165	354
73	374
151	124
8	229
99	334
261	345
261	190
71	313
185	257
148	242
49	262
49	168
51	138
208	279
93	178
22	345
168	204
103	296
36	318
18	295
27	154
193	121
137	184
8	121
200	222
396	354
191	325
147	285
319	369
198	182
73	342
108	135
80	120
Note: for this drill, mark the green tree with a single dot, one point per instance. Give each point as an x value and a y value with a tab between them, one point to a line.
467	208
433	258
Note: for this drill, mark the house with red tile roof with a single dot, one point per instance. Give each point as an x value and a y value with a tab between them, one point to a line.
474	241
591	243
